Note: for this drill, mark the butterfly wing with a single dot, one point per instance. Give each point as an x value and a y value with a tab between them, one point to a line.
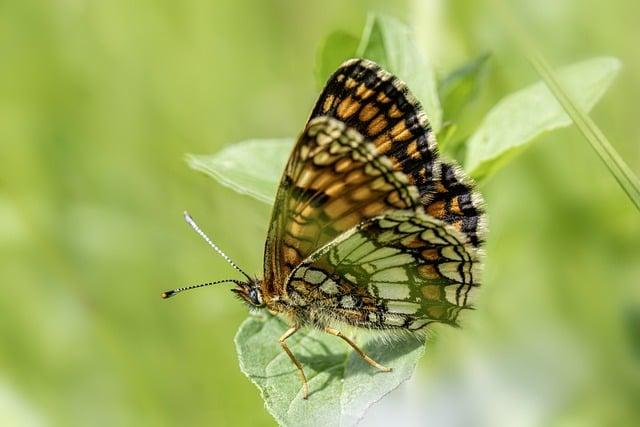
404	269
367	149
334	180
381	107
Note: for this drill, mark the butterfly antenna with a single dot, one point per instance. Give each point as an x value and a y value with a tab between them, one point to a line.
197	229
173	292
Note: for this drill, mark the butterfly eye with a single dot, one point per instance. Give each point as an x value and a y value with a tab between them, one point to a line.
255	297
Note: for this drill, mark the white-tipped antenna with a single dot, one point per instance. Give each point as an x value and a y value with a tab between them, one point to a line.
169	294
197	229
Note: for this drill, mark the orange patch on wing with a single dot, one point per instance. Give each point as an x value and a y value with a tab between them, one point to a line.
377	125
367	112
323	180
455	206
373	209
436	209
303	231
400	132
347	107
430	254
361	193
394	199
412	242
383	98
336	208
290	255
394	111
347	221
334	189
355	176
412	150
342	164
382	143
363	91
328	102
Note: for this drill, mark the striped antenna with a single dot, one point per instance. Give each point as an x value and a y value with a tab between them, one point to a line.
197	229
173	292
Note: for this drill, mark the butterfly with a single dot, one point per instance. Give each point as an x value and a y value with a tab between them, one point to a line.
371	228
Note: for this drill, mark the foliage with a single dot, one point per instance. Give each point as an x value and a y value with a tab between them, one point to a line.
342	385
519	118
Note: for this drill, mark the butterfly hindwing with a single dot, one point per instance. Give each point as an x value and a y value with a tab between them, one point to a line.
455	201
404	269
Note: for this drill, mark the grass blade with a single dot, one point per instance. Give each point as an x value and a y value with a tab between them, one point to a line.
596	138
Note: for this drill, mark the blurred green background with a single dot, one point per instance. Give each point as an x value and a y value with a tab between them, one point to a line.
99	102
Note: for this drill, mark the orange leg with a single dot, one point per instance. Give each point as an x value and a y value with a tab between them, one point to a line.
295	361
366	358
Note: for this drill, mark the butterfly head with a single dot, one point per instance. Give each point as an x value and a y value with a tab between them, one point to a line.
249	292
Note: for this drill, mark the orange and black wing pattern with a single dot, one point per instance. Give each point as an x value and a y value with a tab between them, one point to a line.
367	149
334	180
381	107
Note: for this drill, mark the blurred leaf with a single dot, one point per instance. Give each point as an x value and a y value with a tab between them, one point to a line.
599	142
392	45
252	167
446	134
461	86
522	116
337	48
341	385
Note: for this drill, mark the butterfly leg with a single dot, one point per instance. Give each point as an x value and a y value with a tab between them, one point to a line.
292	330
362	354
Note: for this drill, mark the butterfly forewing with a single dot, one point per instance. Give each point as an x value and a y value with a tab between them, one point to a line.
404	269
381	107
333	181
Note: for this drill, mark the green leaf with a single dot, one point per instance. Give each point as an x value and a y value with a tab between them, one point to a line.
522	116
341	385
252	167
628	181
392	45
461	87
336	48
613	161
